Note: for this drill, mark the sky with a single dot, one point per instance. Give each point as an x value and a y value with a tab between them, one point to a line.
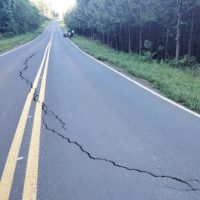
60	6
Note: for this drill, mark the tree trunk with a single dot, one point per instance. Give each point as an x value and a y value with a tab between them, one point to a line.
140	29
140	41
103	37
108	39
166	43
116	45
93	33
122	39
149	31
129	38
178	29
191	35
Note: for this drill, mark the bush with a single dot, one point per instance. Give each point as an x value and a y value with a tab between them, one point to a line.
147	44
147	56
185	62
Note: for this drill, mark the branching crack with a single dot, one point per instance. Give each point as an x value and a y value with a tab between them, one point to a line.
47	111
188	183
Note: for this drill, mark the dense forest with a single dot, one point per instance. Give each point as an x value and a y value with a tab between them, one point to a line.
18	16
168	29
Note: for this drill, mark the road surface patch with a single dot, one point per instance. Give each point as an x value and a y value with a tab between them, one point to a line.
31	176
10	165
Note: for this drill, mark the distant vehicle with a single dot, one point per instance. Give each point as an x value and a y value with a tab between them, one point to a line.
68	34
65	34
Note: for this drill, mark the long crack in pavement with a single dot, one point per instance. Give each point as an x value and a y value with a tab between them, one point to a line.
189	183
25	68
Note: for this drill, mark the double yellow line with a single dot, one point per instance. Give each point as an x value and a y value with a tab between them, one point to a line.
31	176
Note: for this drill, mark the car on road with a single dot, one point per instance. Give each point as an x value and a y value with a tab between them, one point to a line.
65	34
68	34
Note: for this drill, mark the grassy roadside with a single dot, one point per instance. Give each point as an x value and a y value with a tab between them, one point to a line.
9	43
183	86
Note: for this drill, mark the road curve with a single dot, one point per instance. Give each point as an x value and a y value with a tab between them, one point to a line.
101	136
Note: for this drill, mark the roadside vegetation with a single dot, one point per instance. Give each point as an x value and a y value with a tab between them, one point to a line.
7	43
21	21
152	39
18	17
165	29
181	85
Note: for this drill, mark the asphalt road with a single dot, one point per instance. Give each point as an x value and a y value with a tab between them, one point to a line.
72	129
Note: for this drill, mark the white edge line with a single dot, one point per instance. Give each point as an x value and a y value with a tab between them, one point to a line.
139	84
19	47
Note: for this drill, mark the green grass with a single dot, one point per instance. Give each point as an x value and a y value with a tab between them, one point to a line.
11	42
183	86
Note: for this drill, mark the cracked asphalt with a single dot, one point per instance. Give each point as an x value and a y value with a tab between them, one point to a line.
102	137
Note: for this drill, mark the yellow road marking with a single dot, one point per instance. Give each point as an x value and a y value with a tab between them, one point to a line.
10	165
31	177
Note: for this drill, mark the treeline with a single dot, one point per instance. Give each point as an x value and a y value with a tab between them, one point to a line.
18	16
169	29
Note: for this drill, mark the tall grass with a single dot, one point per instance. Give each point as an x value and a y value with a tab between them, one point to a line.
183	86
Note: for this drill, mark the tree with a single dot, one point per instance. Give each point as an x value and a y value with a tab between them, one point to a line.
170	26
18	16
193	7
6	18
178	27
